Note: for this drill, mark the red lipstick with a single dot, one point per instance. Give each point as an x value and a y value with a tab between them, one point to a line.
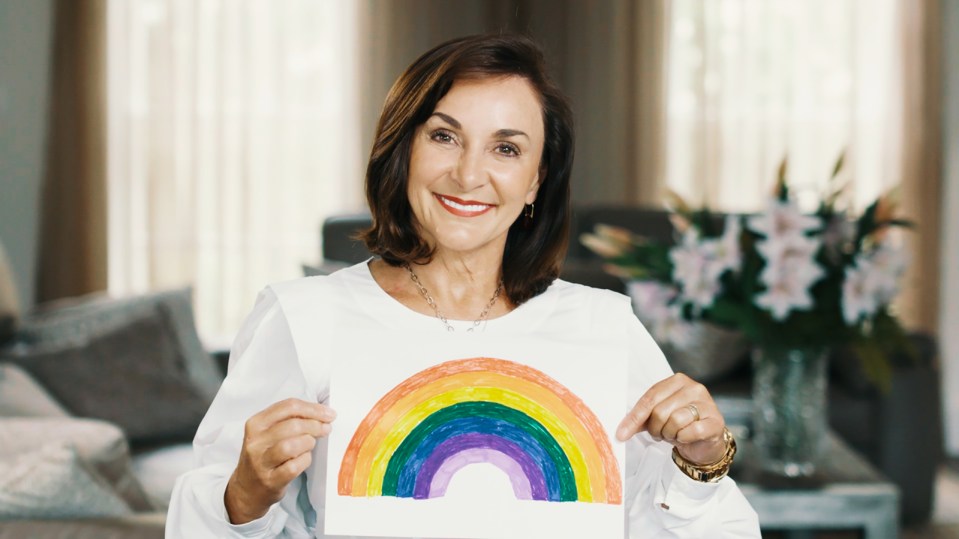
463	208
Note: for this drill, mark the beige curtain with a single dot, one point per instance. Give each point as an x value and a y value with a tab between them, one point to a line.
918	39
72	246
233	132
614	73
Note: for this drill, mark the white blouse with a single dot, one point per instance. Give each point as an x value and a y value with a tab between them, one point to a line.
284	348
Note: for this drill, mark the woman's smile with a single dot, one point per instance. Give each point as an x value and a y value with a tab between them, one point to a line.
463	208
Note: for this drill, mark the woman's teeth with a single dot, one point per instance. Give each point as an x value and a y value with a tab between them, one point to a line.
465	207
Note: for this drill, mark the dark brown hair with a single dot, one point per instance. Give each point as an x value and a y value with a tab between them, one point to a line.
534	248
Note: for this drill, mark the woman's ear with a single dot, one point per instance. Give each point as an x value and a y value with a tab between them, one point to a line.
534	187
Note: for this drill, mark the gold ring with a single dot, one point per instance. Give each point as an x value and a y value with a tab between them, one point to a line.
694	410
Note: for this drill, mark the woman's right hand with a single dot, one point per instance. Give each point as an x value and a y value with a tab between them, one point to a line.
277	447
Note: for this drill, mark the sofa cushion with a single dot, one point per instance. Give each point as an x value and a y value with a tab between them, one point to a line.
22	396
157	470
135	526
75	321
133	376
52	482
100	445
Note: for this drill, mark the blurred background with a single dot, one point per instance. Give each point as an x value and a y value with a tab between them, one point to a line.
151	144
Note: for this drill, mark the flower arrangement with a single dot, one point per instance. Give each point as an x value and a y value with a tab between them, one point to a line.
782	278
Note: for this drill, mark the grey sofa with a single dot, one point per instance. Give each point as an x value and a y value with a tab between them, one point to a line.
99	401
881	426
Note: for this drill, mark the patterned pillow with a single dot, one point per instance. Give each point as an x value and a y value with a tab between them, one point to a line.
133	376
53	483
21	396
74	322
99	445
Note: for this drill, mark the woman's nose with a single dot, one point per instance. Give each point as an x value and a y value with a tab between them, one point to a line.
469	172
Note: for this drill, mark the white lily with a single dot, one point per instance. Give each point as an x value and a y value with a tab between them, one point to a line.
650	299
888	264
789	293
859	292
783	219
688	258
727	253
791	257
673	329
702	290
696	269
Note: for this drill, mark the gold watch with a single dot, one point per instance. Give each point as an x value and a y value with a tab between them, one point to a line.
709	473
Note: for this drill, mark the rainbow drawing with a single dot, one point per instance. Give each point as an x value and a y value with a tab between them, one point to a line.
481	410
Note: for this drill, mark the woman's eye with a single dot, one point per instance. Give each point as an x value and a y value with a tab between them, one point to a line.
441	136
508	150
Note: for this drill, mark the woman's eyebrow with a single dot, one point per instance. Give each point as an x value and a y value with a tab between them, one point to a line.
448	119
505	133
502	133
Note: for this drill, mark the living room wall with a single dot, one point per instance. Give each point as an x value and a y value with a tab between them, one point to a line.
25	27
949	274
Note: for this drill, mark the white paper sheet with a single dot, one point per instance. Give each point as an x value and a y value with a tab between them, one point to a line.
457	446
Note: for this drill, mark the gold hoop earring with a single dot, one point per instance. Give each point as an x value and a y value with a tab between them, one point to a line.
528	211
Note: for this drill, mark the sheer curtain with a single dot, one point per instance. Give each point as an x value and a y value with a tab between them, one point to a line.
752	81
233	130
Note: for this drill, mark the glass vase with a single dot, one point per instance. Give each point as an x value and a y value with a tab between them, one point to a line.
789	408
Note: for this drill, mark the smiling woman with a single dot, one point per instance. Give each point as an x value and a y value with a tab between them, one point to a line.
472	135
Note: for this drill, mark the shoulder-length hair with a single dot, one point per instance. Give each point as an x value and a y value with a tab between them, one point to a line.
534	247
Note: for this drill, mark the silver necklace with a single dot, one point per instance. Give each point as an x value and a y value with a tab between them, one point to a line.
432	303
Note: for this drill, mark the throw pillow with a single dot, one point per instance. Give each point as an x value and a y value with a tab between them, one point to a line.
21	396
75	321
133	376
53	483
100	445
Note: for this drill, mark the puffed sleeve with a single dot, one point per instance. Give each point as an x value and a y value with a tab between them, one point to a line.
661	501
264	369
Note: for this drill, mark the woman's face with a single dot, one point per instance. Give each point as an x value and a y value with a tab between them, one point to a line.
475	164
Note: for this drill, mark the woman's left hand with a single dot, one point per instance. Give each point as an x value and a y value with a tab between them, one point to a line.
681	411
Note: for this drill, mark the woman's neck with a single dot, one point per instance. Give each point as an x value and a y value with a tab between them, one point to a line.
460	286
456	279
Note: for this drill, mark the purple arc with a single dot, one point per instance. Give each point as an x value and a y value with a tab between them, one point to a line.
449	457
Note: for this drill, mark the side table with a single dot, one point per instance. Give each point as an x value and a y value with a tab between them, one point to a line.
845	492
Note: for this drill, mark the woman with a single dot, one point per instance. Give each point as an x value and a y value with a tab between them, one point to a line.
468	184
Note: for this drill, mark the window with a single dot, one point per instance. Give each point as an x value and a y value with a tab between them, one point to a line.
233	131
753	81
